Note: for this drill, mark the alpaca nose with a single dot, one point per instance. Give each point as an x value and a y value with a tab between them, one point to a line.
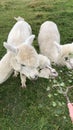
55	74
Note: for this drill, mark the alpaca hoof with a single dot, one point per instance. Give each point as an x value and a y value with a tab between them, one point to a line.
23	86
15	74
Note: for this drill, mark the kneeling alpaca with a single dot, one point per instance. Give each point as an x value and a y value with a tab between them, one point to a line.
49	44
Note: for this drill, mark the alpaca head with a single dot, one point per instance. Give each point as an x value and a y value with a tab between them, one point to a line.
65	55
25	57
46	71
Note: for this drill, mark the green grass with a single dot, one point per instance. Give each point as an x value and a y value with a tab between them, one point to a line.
36	108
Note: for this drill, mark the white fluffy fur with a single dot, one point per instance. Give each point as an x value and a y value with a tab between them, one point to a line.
19	32
46	70
49	44
5	67
65	56
47	35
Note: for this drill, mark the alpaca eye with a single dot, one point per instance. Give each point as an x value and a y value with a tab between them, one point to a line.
22	65
66	58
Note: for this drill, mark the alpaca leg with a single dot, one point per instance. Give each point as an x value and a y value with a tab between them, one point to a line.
23	80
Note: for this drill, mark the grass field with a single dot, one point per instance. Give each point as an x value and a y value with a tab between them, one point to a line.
39	106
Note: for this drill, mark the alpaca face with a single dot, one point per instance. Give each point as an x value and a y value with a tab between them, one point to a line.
27	59
48	73
65	55
46	70
68	60
68	55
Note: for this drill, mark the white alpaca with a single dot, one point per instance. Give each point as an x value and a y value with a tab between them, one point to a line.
47	35
24	59
49	44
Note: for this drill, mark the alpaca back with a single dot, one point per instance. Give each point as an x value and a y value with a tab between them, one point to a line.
19	33
47	35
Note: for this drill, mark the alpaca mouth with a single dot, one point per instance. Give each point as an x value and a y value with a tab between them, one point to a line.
34	78
55	74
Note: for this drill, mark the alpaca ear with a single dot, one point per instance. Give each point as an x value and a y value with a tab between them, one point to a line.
19	18
58	46
10	47
30	40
